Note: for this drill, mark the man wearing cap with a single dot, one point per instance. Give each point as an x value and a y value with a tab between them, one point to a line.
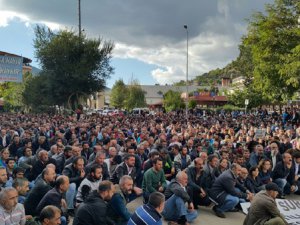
263	209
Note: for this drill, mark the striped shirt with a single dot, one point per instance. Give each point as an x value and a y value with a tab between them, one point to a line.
15	217
145	215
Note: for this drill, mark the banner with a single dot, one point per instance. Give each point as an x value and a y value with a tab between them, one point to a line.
11	68
289	208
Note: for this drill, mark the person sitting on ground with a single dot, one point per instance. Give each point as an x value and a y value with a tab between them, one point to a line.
93	211
125	168
76	174
196	181
11	212
56	196
210	170
263	209
22	186
89	184
154	179
182	160
3	177
99	160
284	175
177	195
50	215
253	183
223	191
265	171
40	165
41	187
125	192
149	214
257	155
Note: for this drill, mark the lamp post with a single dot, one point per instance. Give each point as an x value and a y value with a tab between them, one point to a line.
187	71
79	18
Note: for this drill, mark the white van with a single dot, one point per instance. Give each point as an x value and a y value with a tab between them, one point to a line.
139	111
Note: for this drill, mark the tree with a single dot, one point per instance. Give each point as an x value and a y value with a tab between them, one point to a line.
118	94
239	96
73	66
273	40
172	101
135	96
11	93
192	104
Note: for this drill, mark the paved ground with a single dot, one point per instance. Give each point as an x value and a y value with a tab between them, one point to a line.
207	217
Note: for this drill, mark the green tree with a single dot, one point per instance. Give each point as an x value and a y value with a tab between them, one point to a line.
239	96
172	101
118	94
35	93
192	104
73	66
273	40
135	96
11	92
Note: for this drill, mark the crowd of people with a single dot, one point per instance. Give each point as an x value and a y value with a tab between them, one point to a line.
54	168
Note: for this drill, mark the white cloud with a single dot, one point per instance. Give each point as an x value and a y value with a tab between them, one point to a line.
7	16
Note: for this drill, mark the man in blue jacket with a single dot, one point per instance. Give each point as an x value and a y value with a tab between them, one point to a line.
125	192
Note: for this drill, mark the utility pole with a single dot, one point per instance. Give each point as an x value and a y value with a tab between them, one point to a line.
79	18
187	72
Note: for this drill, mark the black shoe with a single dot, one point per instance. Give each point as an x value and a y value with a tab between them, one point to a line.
218	213
71	212
281	196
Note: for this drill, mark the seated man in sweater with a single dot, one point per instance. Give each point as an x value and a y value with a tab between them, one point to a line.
154	179
177	195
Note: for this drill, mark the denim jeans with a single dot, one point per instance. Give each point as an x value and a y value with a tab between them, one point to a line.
230	203
175	208
70	195
63	220
281	184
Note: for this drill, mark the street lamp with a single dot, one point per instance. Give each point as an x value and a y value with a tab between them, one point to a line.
187	72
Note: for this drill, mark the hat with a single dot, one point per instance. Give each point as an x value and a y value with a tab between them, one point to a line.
272	187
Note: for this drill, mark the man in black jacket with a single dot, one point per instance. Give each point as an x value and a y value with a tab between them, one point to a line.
76	173
40	165
284	175
93	210
177	195
41	187
55	195
196	181
125	168
224	193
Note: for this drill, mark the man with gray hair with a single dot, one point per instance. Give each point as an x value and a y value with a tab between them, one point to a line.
40	165
11	212
125	192
177	195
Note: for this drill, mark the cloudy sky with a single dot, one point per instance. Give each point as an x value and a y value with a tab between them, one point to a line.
149	37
